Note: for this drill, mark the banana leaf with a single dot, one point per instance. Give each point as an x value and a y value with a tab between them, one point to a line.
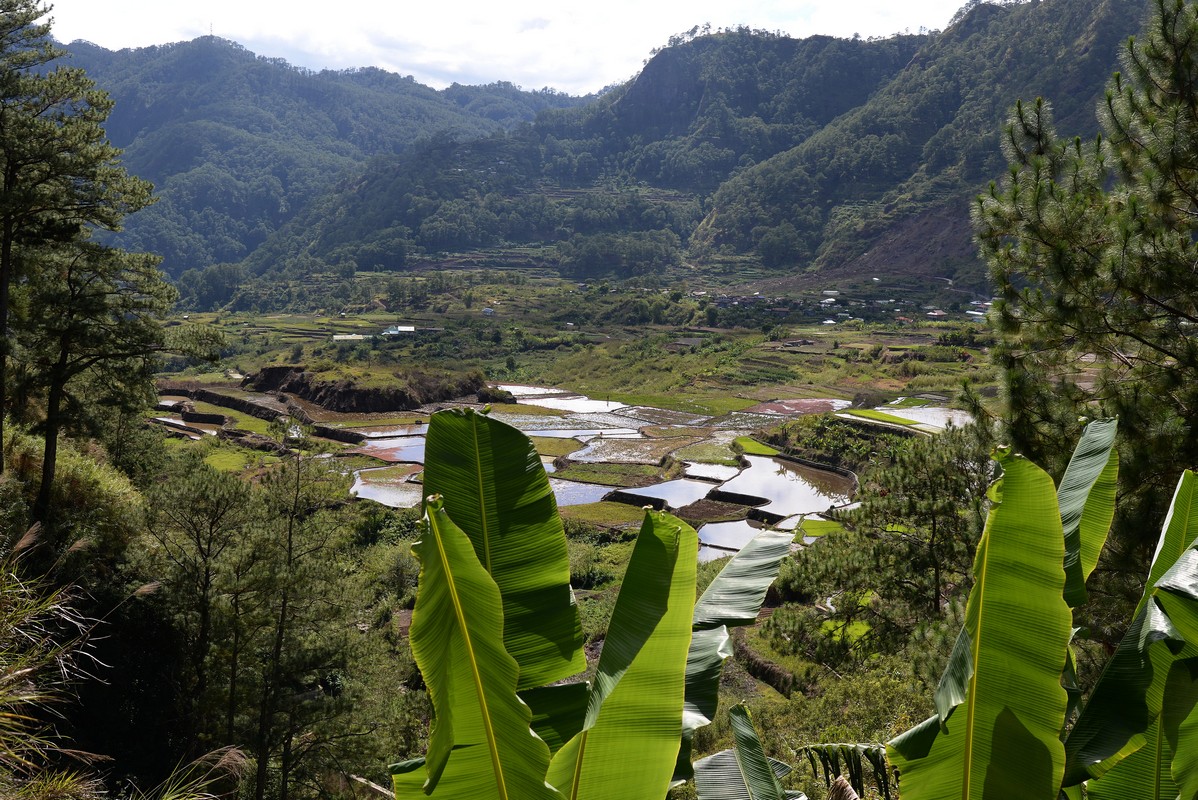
1120	716
1143	774
558	711
744	772
732	599
1179	532
1177	739
1086	498
494	487
481	745
1179	724
1002	738
629	740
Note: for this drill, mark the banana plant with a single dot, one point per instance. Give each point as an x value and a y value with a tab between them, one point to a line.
1000	705
732	599
457	639
1000	699
493	485
495	622
1136	735
743	772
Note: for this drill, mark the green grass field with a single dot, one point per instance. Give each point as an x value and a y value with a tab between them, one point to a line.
878	416
751	447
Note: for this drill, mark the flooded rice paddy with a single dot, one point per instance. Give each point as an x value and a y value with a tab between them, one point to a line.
936	417
607	432
676	493
787	488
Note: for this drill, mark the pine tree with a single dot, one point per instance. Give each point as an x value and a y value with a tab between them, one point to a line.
59	176
94	321
1092	247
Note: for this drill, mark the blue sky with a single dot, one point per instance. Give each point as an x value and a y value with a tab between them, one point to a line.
569	46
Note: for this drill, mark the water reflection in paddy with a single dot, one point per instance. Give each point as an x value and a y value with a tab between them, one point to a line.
574	493
629	451
396	494
390	431
521	390
402	493
178	423
731	536
715	472
677	493
585	434
400	449
927	415
790	488
576	404
663	416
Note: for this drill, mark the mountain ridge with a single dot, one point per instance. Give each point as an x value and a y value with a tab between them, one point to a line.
819	159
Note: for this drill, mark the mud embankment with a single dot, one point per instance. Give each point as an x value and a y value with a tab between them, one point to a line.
266	408
344	396
781	679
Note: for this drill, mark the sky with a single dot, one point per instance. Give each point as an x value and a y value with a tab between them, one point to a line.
573	47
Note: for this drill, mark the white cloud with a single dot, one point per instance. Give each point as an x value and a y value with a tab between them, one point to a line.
533	43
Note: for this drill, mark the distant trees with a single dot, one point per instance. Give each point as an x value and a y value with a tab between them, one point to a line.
624	255
904	558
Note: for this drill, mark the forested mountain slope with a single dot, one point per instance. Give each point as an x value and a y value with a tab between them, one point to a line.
829	160
886	188
618	184
236	143
823	159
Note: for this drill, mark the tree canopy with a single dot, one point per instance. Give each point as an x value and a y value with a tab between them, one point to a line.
73	306
1091	246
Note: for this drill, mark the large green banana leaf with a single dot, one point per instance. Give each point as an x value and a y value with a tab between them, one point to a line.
1086	498
1143	775
481	745
1177	595
732	599
558	711
1002	739
1120	716
629	740
1179	724
1180	530
494	487
744	772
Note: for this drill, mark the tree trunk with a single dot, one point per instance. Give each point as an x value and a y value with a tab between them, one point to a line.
270	686
262	740
285	762
6	236
41	506
235	652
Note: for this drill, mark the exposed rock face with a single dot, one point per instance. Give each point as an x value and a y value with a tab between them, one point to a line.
344	396
262	408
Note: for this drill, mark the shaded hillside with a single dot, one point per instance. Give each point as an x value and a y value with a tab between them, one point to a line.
825	159
702	109
236	144
851	198
612	187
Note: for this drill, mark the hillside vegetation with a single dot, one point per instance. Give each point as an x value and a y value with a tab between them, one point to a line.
236	144
820	159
